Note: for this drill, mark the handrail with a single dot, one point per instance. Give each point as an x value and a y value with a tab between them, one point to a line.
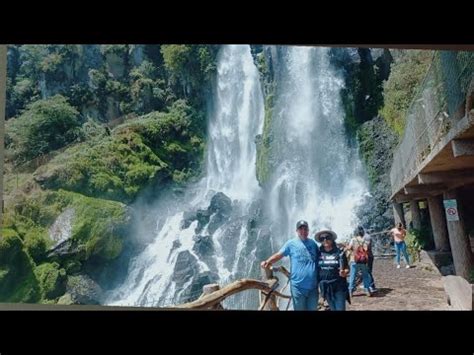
267	287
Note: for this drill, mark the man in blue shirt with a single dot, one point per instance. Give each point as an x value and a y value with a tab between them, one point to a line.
303	253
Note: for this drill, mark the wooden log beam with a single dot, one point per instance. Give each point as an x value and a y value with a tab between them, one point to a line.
207	290
462	147
216	297
267	300
281	269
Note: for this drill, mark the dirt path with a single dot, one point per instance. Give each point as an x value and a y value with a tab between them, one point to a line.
402	289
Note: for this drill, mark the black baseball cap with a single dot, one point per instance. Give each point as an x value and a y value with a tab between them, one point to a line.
301	223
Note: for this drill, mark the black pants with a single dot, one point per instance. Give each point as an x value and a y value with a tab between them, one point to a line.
370	266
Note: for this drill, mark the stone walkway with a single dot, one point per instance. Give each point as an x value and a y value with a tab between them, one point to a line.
417	288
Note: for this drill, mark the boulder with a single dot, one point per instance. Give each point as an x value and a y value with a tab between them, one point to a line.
185	268
221	204
84	290
203	245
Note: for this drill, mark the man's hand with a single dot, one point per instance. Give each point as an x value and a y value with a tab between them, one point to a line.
265	264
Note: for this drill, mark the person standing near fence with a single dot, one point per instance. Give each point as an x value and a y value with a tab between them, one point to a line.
304	254
399	233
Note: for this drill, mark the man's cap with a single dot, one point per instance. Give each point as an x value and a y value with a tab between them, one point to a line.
301	223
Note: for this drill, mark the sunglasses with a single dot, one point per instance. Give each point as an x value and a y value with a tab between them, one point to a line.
325	237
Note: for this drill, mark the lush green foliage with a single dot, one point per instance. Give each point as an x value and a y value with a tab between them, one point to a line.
45	126
399	90
52	280
17	279
416	240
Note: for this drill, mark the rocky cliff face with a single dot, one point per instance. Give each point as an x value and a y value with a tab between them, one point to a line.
376	144
364	71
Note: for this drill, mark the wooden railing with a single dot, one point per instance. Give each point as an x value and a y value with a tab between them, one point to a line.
213	295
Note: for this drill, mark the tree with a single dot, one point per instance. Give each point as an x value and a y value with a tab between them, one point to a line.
45	126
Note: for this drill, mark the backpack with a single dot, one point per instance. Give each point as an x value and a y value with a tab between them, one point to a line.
361	255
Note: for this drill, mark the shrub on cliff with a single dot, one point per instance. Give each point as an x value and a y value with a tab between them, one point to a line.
45	126
403	83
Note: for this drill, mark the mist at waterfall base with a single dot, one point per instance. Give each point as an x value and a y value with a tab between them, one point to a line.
219	229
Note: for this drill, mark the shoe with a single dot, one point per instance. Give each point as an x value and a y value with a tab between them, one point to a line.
372	289
407	267
398	266
367	292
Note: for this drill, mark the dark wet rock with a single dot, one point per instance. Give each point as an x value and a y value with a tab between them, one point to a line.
66	248
188	218
203	245
83	290
229	241
202	217
194	291
186	267
216	221
376	144
221	204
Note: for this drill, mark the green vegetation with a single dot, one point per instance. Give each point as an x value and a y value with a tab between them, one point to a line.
45	126
88	128
98	226
52	280
17	279
263	146
155	147
407	73
417	240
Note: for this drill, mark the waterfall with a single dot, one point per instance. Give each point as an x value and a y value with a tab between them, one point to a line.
169	268
222	227
318	177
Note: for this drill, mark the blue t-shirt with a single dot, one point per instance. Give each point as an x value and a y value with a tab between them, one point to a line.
303	256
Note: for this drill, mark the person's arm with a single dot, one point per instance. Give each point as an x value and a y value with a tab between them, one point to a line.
392	234
343	265
351	243
272	259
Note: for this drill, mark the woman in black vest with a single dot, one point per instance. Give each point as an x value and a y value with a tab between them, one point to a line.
332	270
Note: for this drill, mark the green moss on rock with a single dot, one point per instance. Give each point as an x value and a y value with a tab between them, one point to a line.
116	168
161	146
18	282
263	167
52	280
98	226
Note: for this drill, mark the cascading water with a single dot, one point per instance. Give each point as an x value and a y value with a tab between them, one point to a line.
220	229
207	249
318	177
